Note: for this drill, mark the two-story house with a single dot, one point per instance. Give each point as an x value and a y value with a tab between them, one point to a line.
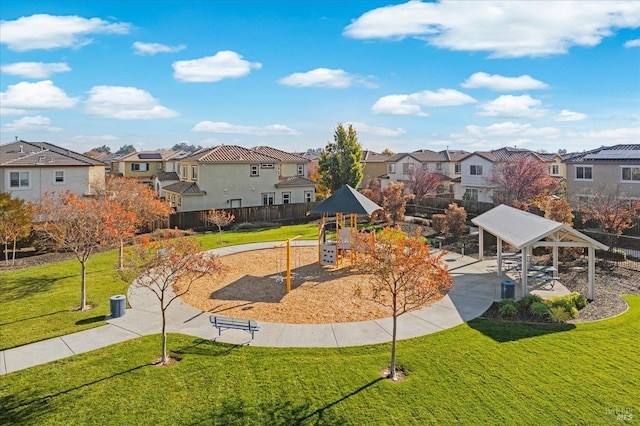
606	169
229	176
476	170
373	166
144	165
29	169
446	164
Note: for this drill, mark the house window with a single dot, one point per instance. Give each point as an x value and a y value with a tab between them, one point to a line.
266	166
475	170
179	200
584	200
19	180
555	169
253	170
458	168
139	167
286	197
158	166
184	172
194	172
438	166
584	173
58	176
268	198
631	174
308	196
407	168
300	169
470	194
391	168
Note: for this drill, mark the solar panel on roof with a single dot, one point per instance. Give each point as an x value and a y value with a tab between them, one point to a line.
614	154
150	156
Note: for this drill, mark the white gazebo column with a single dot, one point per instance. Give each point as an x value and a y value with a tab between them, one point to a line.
499	256
525	268
555	257
591	295
480	243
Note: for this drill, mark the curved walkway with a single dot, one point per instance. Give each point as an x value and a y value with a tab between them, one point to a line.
475	287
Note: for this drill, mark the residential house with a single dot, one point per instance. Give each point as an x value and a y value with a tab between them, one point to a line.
230	176
476	169
606	169
373	166
446	164
29	169
144	165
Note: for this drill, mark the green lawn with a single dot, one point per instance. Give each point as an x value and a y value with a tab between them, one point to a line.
484	372
37	303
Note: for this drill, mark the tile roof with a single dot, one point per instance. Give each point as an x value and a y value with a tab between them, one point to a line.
280	155
294	181
230	154
608	154
163	155
22	153
509	154
453	155
164	176
374	157
427	155
184	188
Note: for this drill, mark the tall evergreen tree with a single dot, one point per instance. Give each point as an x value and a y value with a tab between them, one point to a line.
340	164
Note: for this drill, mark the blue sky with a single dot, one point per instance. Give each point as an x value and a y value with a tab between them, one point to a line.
408	75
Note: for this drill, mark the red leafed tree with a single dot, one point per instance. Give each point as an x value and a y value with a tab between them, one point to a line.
613	213
219	218
423	183
156	266
405	275
516	182
79	225
140	204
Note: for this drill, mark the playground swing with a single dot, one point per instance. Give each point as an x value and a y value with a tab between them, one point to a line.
279	278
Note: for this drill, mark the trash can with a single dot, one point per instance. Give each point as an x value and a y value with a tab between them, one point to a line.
118	305
508	289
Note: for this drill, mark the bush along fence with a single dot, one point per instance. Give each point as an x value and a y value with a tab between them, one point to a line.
430	206
625	249
282	213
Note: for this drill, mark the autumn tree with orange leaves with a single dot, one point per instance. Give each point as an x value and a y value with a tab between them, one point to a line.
140	203
404	274
156	266
80	225
219	218
516	183
613	213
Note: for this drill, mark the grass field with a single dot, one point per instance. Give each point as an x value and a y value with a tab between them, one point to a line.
37	303
484	372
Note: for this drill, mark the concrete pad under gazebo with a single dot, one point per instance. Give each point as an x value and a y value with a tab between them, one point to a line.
525	231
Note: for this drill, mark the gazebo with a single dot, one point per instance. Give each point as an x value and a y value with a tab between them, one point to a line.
525	231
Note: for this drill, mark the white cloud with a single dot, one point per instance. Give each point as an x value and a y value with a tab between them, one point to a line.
509	106
125	103
35	69
365	129
50	32
503	28
508	129
324	77
632	43
610	136
224	64
500	83
223	127
36	123
94	138
411	104
42	95
566	115
142	48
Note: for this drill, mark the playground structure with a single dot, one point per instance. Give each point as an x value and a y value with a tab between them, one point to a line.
287	243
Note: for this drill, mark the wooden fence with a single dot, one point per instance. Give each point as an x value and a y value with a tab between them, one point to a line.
282	213
430	206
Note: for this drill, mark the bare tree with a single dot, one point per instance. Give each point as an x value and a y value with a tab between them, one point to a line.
219	218
423	183
157	265
405	275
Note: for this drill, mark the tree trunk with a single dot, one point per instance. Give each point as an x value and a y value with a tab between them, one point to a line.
13	260
164	358
121	255
392	375
6	252
220	232
83	286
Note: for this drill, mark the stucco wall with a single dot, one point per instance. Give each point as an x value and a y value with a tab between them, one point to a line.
606	177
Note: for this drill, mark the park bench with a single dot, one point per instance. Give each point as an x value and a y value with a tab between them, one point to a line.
226	323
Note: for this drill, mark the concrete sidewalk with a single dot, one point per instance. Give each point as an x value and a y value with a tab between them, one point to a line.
476	286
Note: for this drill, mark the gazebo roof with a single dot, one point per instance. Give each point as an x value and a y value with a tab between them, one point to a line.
522	229
346	200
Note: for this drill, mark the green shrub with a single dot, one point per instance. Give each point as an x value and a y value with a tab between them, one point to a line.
508	308
578	300
559	302
539	309
559	314
574	312
529	300
616	255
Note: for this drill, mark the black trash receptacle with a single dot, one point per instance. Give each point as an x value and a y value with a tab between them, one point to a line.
508	289
118	305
